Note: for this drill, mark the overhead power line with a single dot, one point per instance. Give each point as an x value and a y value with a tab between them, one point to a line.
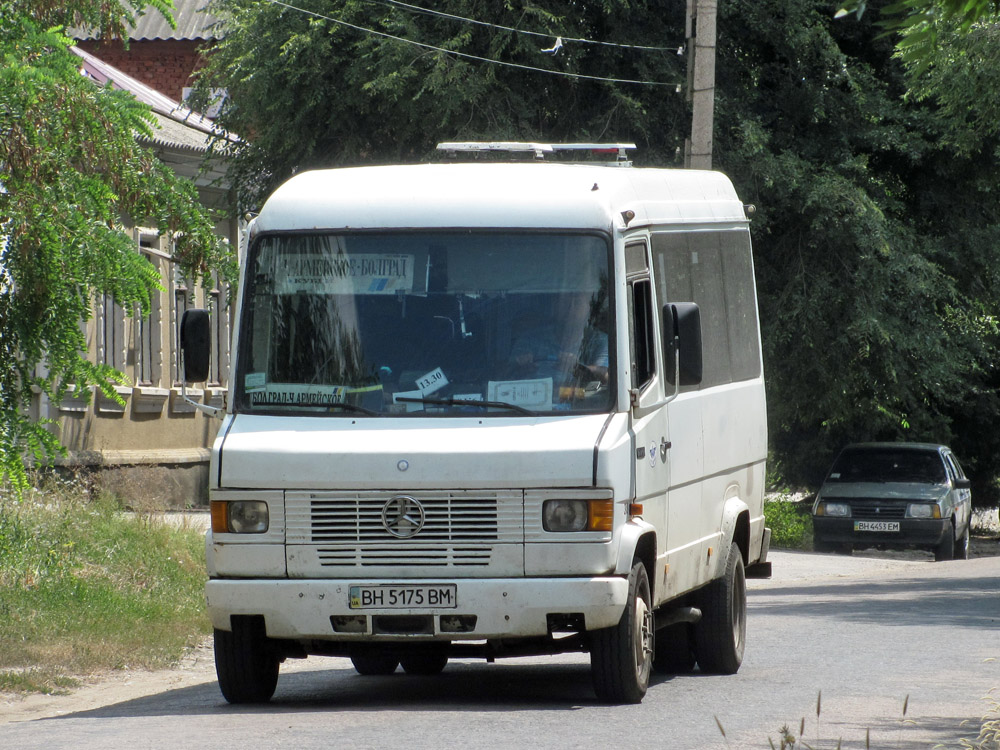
679	49
467	56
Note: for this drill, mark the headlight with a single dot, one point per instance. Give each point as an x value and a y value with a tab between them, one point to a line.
564	515
841	510
923	510
578	515
240	517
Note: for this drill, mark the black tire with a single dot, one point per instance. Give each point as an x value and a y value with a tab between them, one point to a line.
962	546
374	663
621	657
946	549
674	650
720	634
424	662
246	662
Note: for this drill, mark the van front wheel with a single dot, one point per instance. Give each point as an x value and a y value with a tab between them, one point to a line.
720	634
246	662
621	657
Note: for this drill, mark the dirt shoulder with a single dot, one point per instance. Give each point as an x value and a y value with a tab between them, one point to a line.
195	668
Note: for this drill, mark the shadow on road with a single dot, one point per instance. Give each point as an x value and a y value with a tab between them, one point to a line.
463	686
963	602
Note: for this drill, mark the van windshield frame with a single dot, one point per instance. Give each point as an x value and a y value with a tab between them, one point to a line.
514	323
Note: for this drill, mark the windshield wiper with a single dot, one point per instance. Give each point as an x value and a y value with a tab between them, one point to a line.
467	402
306	405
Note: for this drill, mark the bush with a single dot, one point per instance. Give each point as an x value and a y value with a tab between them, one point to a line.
790	523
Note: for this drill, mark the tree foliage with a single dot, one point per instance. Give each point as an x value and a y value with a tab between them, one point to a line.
313	91
964	81
918	25
876	240
876	236
71	168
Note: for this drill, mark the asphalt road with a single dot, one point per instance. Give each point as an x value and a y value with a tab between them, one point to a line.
870	634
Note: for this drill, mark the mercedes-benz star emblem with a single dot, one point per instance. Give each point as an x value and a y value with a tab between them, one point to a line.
403	516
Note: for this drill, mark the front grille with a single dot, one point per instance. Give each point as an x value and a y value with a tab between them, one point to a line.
878	509
447	519
456	517
465	533
405	555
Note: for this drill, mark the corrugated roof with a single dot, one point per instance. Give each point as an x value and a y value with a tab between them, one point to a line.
192	23
176	134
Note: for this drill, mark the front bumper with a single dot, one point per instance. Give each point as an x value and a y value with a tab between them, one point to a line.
913	532
503	608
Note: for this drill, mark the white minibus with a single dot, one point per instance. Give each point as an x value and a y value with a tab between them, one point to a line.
486	408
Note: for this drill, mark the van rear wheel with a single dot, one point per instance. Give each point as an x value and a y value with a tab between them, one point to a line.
246	661
621	657
720	634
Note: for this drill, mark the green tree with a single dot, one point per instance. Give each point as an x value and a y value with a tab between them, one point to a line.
951	51
876	239
326	84
964	81
71	168
920	24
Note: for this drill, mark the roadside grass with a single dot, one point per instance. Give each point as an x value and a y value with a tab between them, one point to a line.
988	737
85	587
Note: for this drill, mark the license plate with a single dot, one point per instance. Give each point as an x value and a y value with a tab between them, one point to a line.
876	525
394	596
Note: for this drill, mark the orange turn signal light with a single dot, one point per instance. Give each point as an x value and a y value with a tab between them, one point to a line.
220	517
601	516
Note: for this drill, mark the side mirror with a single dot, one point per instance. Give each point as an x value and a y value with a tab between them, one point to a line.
682	339
196	345
963	483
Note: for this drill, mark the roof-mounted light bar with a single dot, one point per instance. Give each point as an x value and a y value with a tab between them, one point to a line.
539	149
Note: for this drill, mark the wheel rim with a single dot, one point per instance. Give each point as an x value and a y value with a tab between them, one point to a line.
643	637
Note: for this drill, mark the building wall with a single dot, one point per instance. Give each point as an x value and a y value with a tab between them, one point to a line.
166	65
156	446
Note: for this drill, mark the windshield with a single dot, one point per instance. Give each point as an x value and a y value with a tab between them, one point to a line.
888	465
419	324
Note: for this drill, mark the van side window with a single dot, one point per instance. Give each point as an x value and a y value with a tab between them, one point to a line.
641	338
715	270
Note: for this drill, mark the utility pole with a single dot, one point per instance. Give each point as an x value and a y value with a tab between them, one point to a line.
699	30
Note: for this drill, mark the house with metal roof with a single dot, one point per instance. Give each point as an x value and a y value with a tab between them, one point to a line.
156	444
161	57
